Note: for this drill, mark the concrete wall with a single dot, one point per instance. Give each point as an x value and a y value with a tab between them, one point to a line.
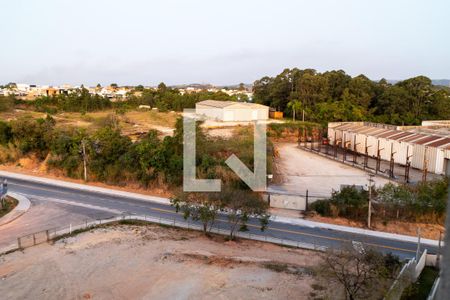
209	112
233	113
245	114
287	201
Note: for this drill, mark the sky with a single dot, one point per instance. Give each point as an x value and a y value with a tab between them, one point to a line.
220	42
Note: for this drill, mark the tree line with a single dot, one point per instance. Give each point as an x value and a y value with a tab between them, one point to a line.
424	202
113	158
106	155
336	96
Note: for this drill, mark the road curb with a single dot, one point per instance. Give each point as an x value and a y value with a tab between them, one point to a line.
22	207
168	222
160	200
85	187
355	230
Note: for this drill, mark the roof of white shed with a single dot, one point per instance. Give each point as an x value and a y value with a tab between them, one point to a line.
223	104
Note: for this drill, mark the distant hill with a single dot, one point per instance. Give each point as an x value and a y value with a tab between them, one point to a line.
193	85
208	86
441	82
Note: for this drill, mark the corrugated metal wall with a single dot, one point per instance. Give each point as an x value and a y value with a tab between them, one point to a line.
404	144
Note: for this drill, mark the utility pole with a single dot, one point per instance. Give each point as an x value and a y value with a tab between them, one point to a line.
444	286
438	258
407	165
83	148
343	142
369	213
418	244
425	165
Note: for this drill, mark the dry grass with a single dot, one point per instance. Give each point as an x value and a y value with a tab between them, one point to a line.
166	119
131	122
18	113
9	153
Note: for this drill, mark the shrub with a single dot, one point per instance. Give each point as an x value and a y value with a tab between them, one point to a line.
5	133
322	207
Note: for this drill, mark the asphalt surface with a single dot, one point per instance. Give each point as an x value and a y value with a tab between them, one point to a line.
91	205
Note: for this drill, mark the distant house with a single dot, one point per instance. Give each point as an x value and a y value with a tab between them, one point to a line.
230	111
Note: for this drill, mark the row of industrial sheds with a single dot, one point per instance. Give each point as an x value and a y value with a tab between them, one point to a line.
421	146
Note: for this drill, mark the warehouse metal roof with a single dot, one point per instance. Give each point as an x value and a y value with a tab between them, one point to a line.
442	142
428	137
427	140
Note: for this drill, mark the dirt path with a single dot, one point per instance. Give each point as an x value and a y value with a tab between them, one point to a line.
303	170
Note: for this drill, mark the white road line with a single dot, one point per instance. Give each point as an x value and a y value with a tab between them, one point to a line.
90	206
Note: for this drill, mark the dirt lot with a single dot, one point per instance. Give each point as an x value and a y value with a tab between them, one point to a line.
302	170
132	123
151	262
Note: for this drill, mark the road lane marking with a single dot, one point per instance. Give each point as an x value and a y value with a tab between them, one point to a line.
303	233
90	206
250	225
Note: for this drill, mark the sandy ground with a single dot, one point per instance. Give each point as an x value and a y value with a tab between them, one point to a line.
226	132
302	170
44	215
151	262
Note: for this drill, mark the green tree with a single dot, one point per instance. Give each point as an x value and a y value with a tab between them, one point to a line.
295	106
240	205
200	207
5	133
362	273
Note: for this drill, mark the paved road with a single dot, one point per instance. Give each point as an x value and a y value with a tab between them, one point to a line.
95	205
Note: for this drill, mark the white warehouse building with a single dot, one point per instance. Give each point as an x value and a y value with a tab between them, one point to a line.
229	111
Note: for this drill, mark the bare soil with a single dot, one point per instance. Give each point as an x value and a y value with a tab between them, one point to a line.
302	170
151	262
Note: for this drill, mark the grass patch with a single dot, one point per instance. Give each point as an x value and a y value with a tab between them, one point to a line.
421	289
153	118
8	205
277	267
74	233
286	268
317	287
112	224
133	222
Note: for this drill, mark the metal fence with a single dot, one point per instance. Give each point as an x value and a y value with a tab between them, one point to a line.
408	275
33	239
50	234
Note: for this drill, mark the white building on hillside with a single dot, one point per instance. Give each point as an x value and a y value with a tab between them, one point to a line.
229	111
